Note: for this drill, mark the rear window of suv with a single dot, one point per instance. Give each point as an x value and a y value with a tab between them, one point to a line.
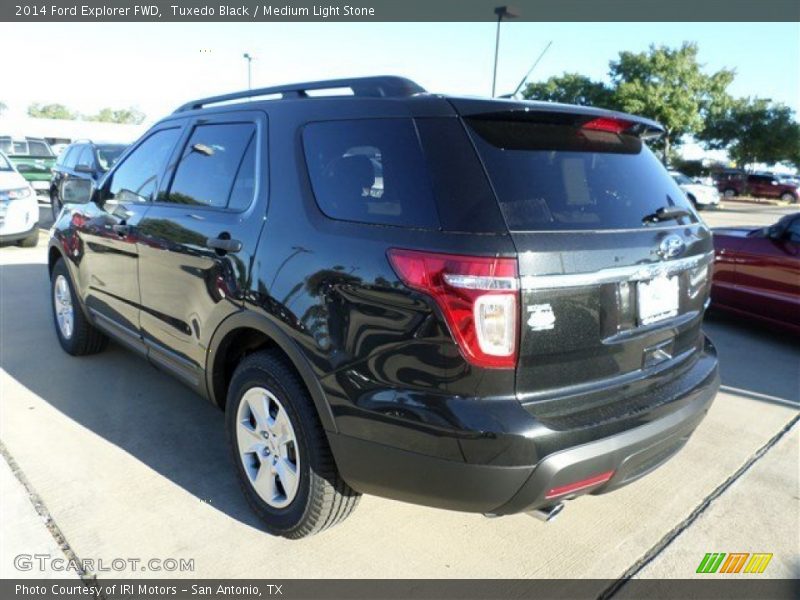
559	177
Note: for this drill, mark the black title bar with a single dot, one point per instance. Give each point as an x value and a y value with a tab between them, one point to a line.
396	10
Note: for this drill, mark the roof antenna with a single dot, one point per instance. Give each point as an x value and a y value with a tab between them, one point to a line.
528	74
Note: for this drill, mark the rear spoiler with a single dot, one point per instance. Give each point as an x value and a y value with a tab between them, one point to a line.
558	114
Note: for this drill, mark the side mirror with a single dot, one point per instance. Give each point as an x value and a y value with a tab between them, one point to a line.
77	191
84	169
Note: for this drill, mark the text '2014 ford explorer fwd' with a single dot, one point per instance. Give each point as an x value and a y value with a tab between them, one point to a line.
480	305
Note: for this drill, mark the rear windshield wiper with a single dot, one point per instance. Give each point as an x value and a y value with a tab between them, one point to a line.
666	213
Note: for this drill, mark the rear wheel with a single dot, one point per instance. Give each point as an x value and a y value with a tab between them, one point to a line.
729	193
76	334
787	197
282	457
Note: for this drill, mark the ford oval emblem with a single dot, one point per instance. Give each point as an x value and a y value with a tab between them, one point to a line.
671	246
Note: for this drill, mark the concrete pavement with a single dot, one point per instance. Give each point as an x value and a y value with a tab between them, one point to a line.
132	465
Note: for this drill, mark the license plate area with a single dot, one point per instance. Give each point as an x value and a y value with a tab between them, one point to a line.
658	299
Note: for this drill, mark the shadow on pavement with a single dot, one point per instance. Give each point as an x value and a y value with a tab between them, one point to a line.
152	417
117	396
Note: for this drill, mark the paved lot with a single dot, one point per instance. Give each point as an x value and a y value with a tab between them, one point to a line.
131	465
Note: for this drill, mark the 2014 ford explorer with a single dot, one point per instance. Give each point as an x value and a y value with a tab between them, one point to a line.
481	305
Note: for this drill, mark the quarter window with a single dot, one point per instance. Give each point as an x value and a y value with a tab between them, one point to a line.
85	158
135	179
70	156
370	171
217	167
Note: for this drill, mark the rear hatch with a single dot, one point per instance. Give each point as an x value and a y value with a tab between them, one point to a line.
614	262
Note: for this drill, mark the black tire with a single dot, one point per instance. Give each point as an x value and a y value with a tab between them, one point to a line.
323	499
31	241
55	204
729	193
693	200
787	197
85	338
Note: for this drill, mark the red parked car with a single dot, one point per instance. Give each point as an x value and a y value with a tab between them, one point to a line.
761	186
757	272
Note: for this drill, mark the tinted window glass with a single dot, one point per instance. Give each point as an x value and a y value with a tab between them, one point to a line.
86	158
793	231
561	177
244	186
136	178
4	164
37	148
370	171
71	156
5	145
209	169
464	198
108	155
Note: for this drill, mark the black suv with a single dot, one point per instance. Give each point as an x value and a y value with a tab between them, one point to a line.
82	159
481	305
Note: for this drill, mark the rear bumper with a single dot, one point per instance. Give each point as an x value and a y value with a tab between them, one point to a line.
374	468
629	455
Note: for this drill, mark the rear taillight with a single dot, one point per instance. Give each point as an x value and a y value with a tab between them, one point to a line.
609	124
479	297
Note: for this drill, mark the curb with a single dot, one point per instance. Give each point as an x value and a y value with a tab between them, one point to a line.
762	201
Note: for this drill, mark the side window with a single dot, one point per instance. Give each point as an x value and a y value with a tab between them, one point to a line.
38	148
217	167
135	179
370	171
85	158
71	156
793	231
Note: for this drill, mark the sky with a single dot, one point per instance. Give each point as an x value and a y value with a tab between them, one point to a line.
158	66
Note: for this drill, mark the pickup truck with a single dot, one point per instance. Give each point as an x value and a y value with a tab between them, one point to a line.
32	157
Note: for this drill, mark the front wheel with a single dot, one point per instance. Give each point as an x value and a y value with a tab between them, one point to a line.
729	193
280	450
76	334
787	197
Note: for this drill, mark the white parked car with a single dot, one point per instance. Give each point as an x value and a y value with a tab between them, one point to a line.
699	194
19	209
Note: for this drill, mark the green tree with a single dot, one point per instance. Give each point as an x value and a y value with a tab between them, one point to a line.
571	88
124	115
669	85
51	111
754	130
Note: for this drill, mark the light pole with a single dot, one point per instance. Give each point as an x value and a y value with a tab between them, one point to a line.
502	12
249	60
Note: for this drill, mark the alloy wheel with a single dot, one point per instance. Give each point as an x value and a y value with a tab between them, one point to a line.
268	447
62	305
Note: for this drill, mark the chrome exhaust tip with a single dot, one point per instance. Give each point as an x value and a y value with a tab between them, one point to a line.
547	513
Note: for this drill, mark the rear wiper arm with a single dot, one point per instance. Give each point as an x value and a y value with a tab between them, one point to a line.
666	213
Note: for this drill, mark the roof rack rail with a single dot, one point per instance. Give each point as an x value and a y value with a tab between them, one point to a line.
387	86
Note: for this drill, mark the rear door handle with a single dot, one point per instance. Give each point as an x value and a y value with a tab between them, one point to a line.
121	229
224	245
